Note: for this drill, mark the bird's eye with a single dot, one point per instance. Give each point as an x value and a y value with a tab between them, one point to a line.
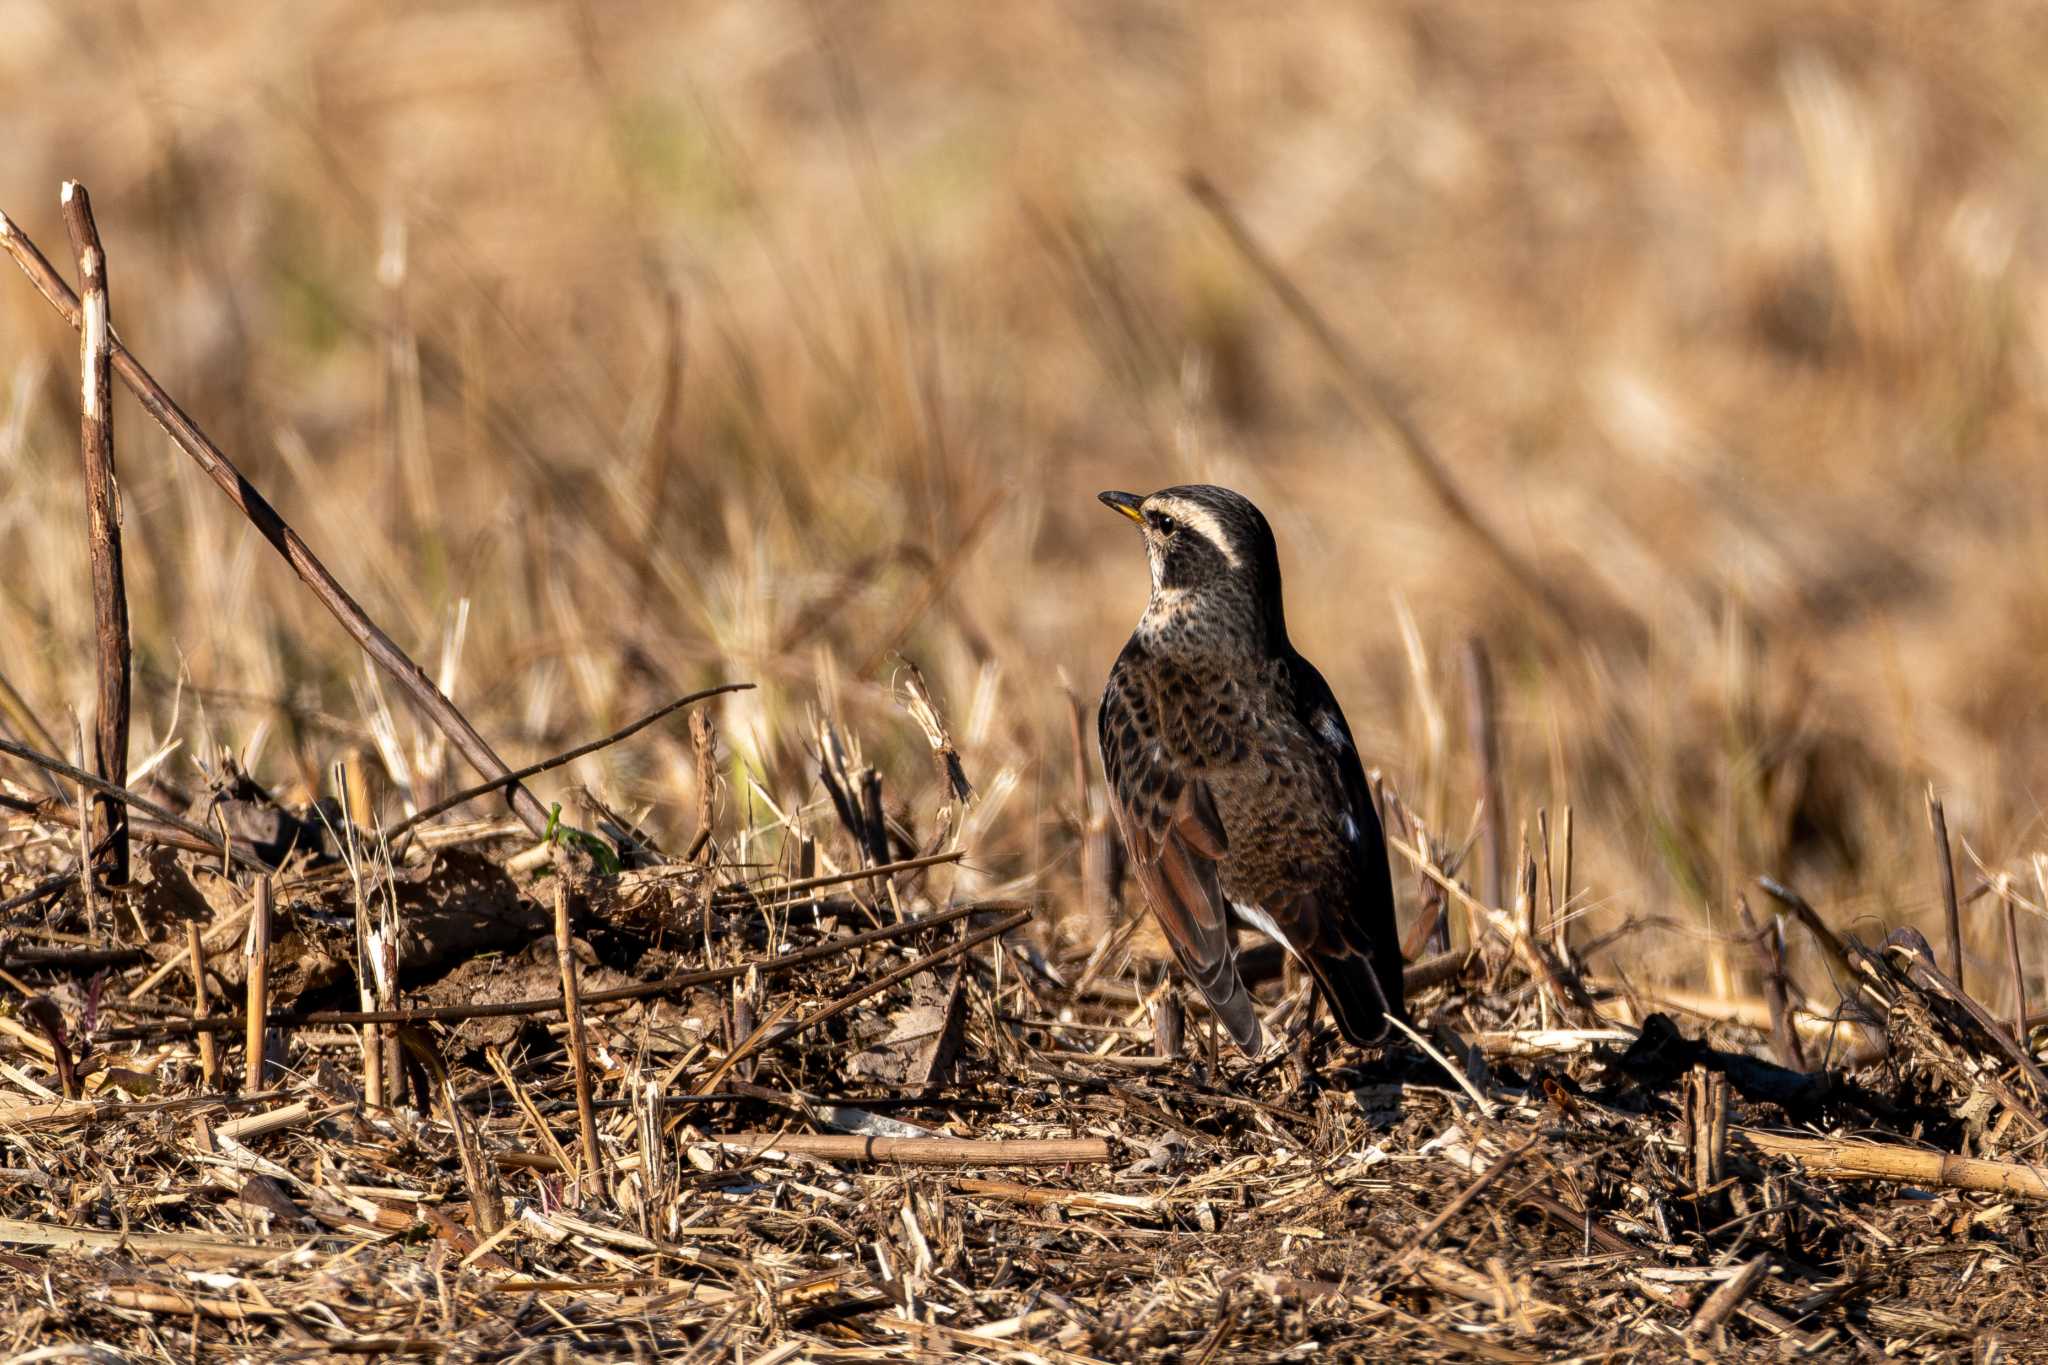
1164	524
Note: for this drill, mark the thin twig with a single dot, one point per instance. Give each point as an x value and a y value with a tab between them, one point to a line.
42	890
1491	1174
207	838
448	803
1771	961
846	1002
1463	1081
856	875
1830	944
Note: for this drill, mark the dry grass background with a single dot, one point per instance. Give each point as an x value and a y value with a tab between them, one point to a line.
686	343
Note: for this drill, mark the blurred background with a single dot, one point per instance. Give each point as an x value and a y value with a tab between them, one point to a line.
610	350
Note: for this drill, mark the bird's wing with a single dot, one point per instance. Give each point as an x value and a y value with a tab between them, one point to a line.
1170	826
1355	951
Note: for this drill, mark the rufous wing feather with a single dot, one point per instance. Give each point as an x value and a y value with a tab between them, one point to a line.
1177	868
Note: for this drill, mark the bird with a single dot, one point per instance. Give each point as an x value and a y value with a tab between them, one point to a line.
1233	776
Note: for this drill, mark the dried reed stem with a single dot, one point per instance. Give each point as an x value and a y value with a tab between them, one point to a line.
1560	928
704	749
1850	1160
2012	959
1830	944
1770	955
207	840
374	1094
937	1151
287	542
1480	722
1169	1024
448	803
1706	1126
209	1050
479	1176
1722	1303
1944	863
579	1058
103	523
258	953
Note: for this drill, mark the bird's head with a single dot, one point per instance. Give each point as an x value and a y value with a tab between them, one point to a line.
1212	558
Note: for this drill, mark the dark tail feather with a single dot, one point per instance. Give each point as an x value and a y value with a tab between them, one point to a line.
1225	992
1237	1016
1356	995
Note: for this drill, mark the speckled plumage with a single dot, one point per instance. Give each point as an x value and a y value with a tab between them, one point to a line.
1233	775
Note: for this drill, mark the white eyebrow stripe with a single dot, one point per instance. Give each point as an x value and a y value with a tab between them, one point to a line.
1201	520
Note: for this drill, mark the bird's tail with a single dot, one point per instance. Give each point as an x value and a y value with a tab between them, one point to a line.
1357	994
1224	989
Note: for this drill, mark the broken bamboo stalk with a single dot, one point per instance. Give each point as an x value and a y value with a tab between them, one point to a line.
209	1050
1848	1160
1722	1303
103	530
258	953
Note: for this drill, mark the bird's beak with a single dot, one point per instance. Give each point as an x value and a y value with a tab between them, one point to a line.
1126	503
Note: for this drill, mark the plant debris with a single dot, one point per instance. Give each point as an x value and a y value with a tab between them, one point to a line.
778	1177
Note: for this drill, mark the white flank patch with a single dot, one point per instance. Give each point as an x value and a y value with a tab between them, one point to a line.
1350	829
1328	728
1263	922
